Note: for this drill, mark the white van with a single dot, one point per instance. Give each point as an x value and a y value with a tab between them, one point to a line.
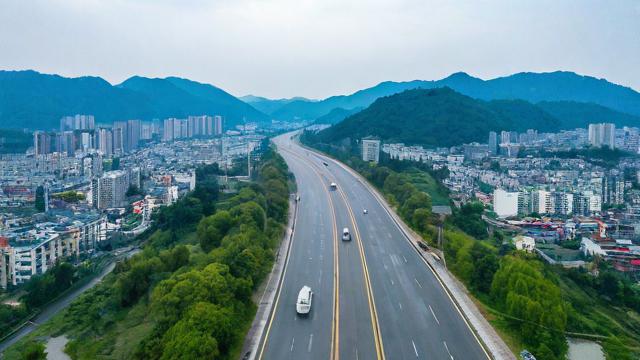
346	235
303	305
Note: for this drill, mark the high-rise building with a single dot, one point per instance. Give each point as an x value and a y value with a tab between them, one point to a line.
493	143
563	203
218	125
133	135
505	137
109	190
146	131
505	203
117	133
602	135
86	141
42	143
541	202
77	122
370	149
120	136
105	141
168	130
66	123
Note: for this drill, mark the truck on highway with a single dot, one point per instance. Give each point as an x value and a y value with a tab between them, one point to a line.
305	296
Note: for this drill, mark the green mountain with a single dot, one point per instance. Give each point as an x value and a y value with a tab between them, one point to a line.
532	87
29	99
32	100
177	97
268	106
575	114
438	117
336	115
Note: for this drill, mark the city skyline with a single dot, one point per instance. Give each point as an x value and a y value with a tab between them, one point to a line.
319	49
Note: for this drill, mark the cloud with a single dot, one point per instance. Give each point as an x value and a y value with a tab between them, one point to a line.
319	48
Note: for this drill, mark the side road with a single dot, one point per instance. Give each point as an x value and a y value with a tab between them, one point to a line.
458	293
270	288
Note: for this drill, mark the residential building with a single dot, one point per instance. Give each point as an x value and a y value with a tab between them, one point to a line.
109	190
602	135
505	203
370	149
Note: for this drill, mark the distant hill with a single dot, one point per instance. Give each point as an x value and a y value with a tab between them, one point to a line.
532	87
336	115
439	117
268	106
177	97
29	99
575	114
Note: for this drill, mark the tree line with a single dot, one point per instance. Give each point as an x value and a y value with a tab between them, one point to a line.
195	275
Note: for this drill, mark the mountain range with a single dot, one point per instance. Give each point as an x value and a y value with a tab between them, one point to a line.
566	95
29	99
438	117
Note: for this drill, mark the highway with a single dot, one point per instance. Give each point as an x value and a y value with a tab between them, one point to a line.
374	296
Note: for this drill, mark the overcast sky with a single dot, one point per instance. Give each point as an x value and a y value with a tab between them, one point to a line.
319	48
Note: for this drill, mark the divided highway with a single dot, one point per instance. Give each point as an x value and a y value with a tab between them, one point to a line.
374	297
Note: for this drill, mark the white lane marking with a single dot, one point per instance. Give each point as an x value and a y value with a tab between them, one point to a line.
414	348
293	341
310	343
434	314
357	358
417	282
449	352
405	259
400	304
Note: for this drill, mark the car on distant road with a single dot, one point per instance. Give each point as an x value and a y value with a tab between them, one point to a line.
346	235
325	163
333	186
365	211
305	296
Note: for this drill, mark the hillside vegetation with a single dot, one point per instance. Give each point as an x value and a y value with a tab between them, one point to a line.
32	100
438	117
559	86
187	295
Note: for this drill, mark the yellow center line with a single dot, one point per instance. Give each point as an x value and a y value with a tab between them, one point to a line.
370	297
335	329
372	305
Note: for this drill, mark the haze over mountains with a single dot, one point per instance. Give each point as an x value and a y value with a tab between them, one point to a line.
566	95
29	99
37	101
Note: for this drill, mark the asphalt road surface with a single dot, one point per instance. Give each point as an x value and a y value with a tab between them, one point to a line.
374	297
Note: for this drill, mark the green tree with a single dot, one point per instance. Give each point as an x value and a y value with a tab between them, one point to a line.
486	264
417	200
213	228
33	351
615	349
544	352
421	219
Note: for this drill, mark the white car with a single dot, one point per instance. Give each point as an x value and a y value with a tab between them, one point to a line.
303	305
346	235
333	186
365	211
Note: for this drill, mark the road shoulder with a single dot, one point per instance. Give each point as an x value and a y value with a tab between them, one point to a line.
269	291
